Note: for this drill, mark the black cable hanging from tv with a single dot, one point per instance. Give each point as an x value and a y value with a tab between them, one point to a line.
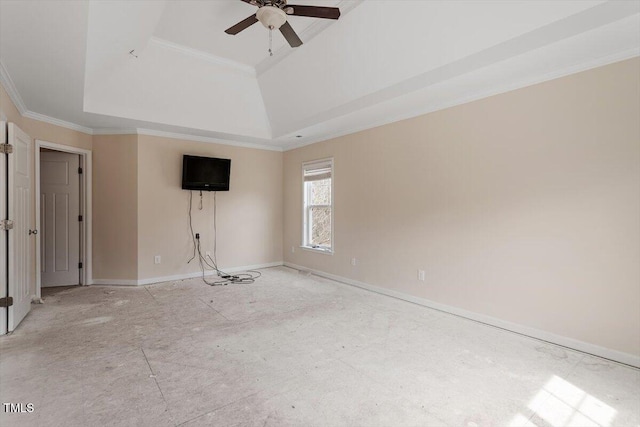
205	261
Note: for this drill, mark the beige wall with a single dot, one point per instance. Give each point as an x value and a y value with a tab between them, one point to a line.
140	211
52	133
249	216
7	108
524	206
115	207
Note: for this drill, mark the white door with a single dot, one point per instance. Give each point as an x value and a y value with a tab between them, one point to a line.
3	234
59	218
19	264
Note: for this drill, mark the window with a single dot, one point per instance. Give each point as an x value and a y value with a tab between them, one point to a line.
317	230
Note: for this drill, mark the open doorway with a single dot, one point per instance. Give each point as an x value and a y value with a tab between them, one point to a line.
63	216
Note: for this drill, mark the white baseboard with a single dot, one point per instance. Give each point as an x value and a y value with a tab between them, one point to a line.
151	280
114	282
596	350
253	267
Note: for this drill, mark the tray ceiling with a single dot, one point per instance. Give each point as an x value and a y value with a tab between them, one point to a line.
68	62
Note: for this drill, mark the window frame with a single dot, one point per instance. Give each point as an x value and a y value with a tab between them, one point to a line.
306	208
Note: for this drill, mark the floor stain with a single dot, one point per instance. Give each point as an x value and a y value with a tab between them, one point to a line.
96	321
555	352
594	365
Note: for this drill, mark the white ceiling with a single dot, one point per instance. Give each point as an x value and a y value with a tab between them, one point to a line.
68	62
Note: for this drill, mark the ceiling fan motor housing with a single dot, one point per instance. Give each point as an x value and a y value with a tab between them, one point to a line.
271	17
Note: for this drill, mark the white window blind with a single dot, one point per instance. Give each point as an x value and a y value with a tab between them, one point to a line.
317	171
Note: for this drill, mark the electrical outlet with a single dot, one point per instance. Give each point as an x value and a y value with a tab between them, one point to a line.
354	261
421	275
293	249
157	259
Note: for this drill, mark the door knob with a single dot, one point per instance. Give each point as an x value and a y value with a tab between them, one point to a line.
33	232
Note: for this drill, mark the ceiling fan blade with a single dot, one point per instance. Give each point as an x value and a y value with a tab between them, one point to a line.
315	11
290	35
242	25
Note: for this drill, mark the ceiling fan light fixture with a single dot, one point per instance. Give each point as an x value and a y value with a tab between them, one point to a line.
271	17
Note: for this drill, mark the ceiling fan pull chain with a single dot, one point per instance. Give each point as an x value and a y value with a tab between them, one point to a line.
270	39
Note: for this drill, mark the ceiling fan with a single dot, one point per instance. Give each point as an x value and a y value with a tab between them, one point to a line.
273	15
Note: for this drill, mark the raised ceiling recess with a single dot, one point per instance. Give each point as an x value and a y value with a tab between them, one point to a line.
168	66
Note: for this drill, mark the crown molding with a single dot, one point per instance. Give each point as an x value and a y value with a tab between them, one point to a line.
115	131
7	83
205	56
184	137
306	35
57	122
577	68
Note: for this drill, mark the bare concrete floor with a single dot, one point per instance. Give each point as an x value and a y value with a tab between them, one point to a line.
291	350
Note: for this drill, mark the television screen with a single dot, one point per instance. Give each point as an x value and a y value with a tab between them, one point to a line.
205	173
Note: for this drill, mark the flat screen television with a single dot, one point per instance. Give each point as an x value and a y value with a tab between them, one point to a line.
205	173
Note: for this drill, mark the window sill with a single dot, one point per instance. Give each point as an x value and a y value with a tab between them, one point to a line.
318	250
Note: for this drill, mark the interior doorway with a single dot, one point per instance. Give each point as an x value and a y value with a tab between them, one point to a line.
63	215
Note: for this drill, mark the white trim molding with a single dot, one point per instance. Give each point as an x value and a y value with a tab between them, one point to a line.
573	344
186	137
115	282
115	131
57	122
152	280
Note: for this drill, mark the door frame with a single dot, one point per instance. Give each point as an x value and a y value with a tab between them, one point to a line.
86	277
4	285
